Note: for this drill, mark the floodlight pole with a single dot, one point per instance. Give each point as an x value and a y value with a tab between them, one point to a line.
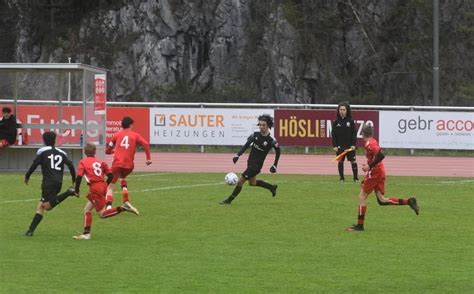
435	52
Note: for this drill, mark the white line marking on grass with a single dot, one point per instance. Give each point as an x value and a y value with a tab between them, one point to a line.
441	183
149	174
178	187
320	182
24	200
457	182
144	190
220	183
155	180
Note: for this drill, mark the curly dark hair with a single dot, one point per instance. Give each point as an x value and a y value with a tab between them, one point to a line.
267	118
348	108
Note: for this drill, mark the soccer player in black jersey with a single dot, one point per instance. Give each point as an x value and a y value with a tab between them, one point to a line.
52	161
344	136
261	143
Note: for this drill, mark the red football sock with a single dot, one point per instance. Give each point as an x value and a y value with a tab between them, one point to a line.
111	212
87	222
361	215
125	194
109	199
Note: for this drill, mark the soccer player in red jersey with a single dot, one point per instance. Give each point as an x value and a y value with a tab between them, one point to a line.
123	145
93	171
375	180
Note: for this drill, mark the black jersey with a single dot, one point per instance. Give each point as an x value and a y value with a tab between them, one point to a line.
260	145
8	129
344	134
52	161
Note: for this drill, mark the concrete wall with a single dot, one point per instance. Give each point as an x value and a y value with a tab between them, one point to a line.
19	158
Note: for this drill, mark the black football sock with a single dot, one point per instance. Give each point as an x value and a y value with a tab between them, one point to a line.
340	168
354	170
35	222
234	194
265	185
58	199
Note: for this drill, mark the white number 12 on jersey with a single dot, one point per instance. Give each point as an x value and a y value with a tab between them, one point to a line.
55	161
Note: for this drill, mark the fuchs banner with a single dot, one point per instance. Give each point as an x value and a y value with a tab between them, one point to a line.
427	130
295	127
40	114
203	126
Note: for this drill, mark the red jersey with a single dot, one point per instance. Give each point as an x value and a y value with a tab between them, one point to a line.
371	149
93	170
125	143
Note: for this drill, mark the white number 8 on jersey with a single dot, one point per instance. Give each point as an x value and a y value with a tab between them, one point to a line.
97	169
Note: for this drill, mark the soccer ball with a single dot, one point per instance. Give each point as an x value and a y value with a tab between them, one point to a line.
231	179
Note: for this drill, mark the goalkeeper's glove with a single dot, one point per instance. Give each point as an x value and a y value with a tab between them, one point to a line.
273	169
235	159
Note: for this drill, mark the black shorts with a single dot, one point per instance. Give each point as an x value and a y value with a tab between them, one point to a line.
251	171
50	191
351	156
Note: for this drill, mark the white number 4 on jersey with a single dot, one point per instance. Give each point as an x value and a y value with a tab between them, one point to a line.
124	142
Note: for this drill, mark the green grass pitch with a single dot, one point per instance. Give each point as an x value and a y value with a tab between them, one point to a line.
184	241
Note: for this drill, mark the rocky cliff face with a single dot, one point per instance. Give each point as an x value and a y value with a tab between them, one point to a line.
252	51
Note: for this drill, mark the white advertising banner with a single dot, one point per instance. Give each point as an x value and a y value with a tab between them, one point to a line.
427	130
203	126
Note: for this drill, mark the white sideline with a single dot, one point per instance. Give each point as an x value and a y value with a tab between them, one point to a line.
178	187
220	183
13	201
457	182
144	190
149	174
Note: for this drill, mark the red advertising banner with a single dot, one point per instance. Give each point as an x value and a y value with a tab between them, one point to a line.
35	114
295	127
140	116
99	94
72	115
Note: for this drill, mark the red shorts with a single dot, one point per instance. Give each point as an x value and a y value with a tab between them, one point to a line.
375	180
120	172
96	195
